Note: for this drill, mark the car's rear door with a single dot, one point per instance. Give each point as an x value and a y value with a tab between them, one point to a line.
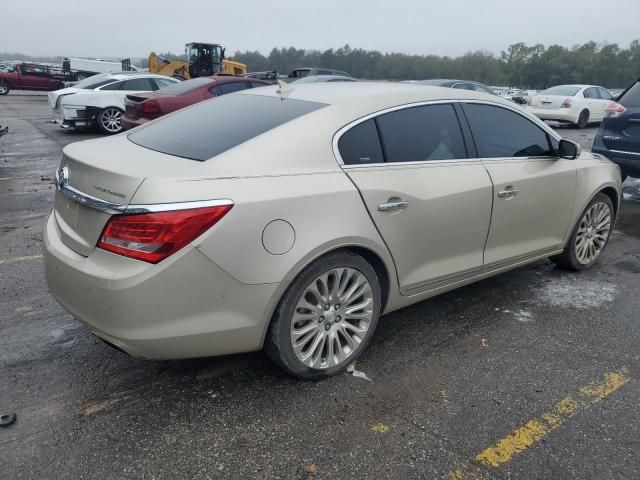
622	131
429	201
533	197
596	104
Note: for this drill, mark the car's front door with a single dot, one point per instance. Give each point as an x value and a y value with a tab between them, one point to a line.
430	203
534	191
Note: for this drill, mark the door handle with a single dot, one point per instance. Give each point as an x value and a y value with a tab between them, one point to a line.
393	206
509	192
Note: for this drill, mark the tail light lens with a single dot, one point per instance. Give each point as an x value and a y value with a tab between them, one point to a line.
567	103
150	107
152	237
614	110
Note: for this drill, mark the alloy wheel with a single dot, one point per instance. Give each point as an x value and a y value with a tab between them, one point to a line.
593	232
332	318
4	88
110	120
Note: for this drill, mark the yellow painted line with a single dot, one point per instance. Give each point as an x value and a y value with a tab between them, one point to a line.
536	429
28	258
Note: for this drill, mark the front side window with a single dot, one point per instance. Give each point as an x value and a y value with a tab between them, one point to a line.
502	133
361	145
140	84
418	134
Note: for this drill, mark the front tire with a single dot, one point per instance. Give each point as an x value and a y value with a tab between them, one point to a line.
4	87
109	120
590	236
326	318
583	119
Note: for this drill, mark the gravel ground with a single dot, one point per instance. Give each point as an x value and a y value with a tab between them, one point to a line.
449	377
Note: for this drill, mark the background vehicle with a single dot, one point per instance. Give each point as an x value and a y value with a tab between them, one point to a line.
459	84
30	76
577	104
82	68
619	135
313	71
324	78
214	230
270	76
99	100
142	107
201	60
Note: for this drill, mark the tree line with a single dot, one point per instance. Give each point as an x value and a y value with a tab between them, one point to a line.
520	65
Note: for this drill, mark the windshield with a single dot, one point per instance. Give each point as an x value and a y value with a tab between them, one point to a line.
210	128
186	86
563	90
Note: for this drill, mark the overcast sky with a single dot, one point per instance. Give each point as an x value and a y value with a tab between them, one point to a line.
132	28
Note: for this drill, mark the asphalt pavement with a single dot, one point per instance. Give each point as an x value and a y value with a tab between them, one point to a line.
532	374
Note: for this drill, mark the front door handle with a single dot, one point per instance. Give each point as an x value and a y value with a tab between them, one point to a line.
392	206
509	192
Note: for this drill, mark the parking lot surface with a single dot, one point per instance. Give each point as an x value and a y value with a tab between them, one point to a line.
531	374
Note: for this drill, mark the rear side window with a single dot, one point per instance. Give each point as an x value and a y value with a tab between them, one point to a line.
499	132
418	134
228	88
591	93
361	145
604	94
631	98
210	128
113	86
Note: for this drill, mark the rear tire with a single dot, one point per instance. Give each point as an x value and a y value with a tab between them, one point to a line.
590	235
583	119
326	318
81	76
109	120
4	87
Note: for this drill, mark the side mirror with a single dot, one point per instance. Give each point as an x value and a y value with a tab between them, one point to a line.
568	149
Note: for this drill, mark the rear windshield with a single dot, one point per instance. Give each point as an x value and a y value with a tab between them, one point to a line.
564	90
186	86
212	127
631	98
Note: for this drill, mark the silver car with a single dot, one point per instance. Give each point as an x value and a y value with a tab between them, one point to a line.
291	220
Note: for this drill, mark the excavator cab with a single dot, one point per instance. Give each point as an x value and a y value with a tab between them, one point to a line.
204	59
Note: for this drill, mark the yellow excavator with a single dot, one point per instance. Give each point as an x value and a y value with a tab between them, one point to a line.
202	60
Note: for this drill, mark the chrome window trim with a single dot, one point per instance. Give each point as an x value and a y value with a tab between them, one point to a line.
532	118
625	152
124	209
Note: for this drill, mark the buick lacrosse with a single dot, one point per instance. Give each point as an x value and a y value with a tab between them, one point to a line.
292	217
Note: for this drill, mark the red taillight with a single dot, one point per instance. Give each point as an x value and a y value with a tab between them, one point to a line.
566	104
613	110
152	237
151	107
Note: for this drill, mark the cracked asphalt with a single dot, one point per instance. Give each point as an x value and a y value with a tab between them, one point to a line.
450	377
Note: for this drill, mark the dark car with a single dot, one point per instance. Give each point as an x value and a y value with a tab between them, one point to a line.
269	76
619	135
143	107
462	84
310	72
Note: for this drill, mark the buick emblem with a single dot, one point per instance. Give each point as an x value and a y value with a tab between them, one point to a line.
62	177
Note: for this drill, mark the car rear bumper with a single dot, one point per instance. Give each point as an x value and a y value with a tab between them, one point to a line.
629	161
74	117
557	114
185	306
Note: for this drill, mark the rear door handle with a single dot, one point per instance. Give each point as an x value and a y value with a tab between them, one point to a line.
393	206
509	192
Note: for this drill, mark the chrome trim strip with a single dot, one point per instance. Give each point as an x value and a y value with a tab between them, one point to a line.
122	209
624	152
515	109
453	278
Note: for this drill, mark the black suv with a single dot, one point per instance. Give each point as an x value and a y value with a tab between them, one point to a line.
619	135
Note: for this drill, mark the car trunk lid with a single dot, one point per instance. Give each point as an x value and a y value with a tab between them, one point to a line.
548	101
54	97
95	181
133	104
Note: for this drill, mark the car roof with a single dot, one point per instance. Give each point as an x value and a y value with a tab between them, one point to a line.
129	75
576	85
371	95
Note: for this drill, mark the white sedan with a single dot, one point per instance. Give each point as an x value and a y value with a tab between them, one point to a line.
577	104
99	100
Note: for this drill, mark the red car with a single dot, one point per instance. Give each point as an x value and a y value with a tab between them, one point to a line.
27	76
143	107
